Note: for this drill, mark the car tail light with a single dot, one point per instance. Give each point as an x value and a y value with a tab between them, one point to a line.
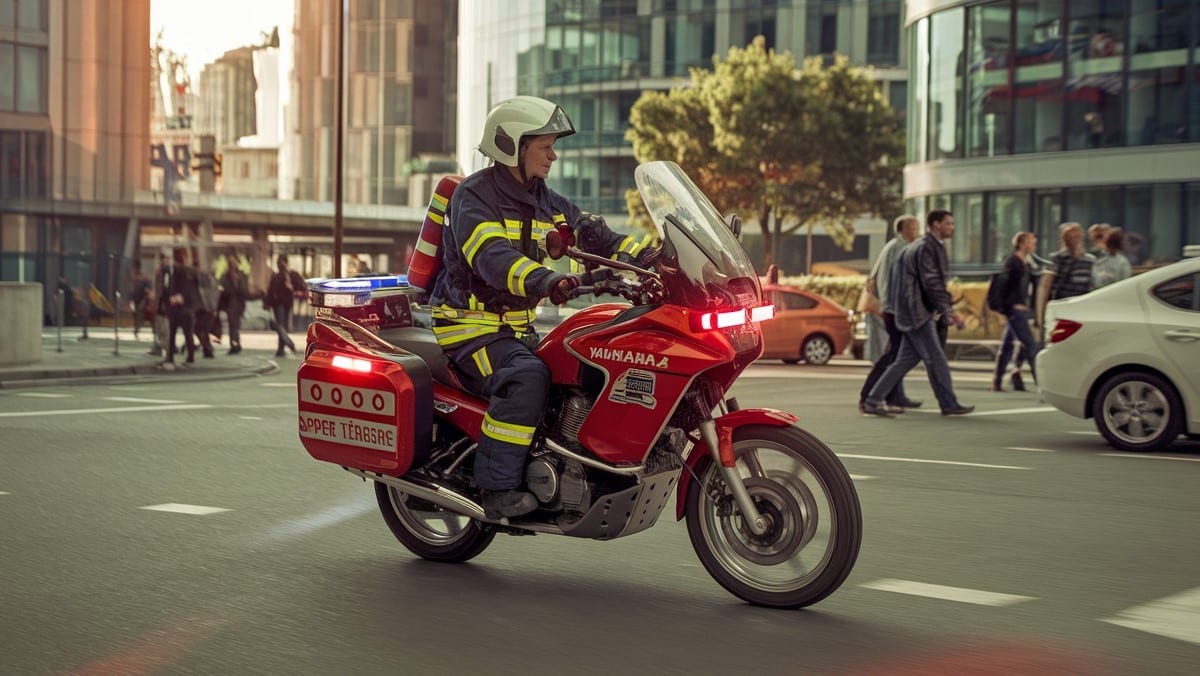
710	321
1064	329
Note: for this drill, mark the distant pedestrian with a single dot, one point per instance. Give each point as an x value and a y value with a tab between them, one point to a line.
1071	271
139	299
1112	265
907	228
1016	296
235	291
920	300
282	291
1097	233
183	301
161	324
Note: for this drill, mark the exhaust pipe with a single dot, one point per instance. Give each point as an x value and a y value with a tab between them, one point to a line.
442	497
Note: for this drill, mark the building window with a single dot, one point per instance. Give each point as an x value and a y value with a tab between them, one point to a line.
918	104
22	78
966	246
821	27
988	97
1038	77
23	168
1152	219
945	84
1095	86
1008	214
883	32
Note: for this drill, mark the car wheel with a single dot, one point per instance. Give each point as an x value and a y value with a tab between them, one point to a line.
817	350
1138	412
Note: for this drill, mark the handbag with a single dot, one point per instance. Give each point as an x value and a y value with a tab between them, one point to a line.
868	302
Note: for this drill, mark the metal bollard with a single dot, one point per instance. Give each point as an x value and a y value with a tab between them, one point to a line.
87	316
116	323
58	315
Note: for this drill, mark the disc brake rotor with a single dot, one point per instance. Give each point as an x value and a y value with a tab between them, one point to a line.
785	524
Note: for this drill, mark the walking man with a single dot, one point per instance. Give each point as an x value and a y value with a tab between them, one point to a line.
907	228
920	301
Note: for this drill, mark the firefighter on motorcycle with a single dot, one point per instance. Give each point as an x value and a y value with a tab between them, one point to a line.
483	302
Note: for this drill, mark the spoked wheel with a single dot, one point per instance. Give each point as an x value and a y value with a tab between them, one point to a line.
429	531
817	350
812	510
1138	412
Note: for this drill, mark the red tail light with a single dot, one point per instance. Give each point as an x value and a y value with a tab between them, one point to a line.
1064	329
351	363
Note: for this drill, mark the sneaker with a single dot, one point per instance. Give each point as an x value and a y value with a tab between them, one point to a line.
498	504
876	408
958	410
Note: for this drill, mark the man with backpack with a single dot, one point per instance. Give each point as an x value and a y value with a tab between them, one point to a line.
1008	294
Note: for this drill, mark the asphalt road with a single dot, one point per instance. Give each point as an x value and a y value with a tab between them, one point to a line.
1009	541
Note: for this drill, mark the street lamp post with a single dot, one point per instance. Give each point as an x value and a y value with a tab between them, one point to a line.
338	122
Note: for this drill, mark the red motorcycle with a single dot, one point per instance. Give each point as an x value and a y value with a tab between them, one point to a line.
637	413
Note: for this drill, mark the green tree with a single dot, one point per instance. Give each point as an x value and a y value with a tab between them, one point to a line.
788	146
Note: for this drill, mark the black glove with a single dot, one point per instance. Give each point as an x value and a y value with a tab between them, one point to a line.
561	287
589	229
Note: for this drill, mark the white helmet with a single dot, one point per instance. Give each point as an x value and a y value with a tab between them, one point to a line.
516	118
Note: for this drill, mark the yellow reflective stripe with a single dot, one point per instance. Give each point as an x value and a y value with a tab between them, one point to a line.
541	228
517	273
482	362
630	246
436	217
515	318
438	202
460	333
513	229
507	432
483	232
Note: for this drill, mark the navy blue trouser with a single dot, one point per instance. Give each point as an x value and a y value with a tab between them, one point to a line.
515	381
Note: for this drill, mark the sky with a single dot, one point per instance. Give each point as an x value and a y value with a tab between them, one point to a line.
205	29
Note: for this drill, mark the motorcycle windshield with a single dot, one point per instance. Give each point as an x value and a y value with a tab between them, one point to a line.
703	266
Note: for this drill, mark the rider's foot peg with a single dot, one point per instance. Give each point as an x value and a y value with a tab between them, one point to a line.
497	504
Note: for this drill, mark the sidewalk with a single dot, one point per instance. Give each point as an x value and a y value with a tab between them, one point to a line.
101	358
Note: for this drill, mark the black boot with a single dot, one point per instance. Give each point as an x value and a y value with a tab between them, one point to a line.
1018	383
497	504
997	385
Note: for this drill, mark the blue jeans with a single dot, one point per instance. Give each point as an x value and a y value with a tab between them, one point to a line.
920	344
1017	329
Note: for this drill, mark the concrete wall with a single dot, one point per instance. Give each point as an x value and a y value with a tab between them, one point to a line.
21	324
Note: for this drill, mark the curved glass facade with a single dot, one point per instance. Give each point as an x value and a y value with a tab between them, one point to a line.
1027	113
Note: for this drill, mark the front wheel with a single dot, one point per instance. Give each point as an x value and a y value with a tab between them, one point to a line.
814	519
817	350
430	531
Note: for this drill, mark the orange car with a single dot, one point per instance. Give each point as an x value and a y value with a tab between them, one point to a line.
807	326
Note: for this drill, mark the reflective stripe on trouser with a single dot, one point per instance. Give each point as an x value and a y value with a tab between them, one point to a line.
516	390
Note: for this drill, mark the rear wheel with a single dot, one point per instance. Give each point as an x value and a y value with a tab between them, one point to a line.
1138	412
430	531
817	350
813	514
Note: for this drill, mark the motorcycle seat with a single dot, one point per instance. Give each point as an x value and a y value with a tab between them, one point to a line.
421	342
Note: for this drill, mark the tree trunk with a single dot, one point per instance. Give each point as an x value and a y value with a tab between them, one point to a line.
808	253
768	251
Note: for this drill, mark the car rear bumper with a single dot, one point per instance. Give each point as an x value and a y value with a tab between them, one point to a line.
1061	384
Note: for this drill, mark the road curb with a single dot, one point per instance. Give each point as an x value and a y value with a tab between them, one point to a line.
130	374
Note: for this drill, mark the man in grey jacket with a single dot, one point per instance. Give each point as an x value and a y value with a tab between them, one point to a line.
908	228
922	305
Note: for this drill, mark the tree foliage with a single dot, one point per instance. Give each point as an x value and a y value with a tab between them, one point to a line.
790	146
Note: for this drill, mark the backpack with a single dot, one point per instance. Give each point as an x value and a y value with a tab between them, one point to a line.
426	262
997	285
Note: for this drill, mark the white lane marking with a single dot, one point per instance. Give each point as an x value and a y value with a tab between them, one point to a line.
249	417
931	462
125	409
1015	411
278	384
1142	456
860	477
1176	617
5	493
937	591
180	508
139	400
1031	450
1090	434
43	395
323	519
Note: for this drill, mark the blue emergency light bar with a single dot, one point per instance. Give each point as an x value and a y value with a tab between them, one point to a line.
353	284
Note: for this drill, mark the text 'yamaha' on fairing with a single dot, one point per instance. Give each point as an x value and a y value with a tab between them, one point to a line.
638	413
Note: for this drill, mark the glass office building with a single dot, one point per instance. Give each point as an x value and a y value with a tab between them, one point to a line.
1028	113
596	57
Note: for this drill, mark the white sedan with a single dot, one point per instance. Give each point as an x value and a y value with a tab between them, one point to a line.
1128	355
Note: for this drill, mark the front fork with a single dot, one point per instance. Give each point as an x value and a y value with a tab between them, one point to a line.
721	449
